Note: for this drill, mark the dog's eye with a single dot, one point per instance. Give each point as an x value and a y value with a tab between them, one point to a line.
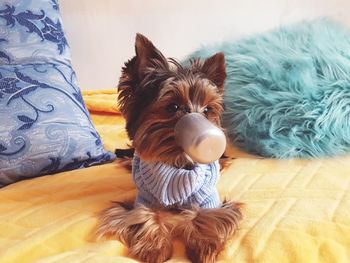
206	110
172	107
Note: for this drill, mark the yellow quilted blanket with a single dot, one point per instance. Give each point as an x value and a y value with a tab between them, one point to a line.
296	210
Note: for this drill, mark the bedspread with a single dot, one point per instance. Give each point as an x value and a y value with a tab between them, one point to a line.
295	210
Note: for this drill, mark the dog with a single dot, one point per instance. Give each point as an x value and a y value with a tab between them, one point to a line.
154	93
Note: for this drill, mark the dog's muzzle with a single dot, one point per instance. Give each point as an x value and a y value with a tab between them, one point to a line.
201	140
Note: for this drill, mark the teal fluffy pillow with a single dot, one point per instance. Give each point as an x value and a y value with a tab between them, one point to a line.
288	91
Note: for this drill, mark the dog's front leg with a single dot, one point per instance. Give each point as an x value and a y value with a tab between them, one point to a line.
144	230
152	242
207	230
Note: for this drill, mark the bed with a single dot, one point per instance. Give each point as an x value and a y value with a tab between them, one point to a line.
295	210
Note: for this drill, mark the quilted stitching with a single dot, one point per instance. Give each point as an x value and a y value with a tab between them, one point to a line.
295	210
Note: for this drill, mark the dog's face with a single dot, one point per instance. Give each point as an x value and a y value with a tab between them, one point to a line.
155	93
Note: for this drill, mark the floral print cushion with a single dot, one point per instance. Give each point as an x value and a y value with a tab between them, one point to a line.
31	29
45	127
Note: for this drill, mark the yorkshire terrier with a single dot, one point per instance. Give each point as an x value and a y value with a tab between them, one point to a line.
176	197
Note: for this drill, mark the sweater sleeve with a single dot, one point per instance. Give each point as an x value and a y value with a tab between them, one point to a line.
170	185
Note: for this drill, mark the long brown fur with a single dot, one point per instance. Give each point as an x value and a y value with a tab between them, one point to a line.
154	93
141	229
207	230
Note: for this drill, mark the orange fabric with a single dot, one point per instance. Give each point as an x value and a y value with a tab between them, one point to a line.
295	210
104	101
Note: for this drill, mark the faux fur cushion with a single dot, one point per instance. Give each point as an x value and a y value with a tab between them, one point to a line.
288	91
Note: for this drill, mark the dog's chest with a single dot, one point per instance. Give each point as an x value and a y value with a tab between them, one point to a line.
161	185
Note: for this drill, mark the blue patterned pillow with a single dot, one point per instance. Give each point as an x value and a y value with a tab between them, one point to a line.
45	126
31	30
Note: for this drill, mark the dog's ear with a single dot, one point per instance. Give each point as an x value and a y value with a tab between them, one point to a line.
215	70
148	57
133	97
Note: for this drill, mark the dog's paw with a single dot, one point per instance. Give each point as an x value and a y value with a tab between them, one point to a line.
153	252
207	231
203	251
152	243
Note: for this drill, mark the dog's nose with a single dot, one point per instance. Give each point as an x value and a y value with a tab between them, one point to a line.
199	138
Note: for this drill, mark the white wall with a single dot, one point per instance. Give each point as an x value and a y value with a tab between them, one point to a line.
101	32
